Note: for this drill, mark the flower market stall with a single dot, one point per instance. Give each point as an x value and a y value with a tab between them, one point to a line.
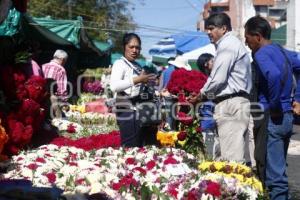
137	173
87	162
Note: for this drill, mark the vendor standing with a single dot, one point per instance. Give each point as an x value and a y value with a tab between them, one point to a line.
126	79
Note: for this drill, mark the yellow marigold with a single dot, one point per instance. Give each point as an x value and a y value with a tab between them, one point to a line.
204	166
166	138
220	165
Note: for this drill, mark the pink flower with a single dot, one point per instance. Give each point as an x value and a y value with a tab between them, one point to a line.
213	188
116	186
32	166
151	164
51	177
20	158
41	160
73	164
172	190
182	135
141	170
71	128
79	181
170	160
130	161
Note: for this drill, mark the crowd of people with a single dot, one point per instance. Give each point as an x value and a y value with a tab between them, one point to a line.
247	103
234	75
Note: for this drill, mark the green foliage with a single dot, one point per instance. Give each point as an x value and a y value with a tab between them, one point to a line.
103	20
193	142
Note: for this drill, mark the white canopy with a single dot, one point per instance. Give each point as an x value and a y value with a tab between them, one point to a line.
193	55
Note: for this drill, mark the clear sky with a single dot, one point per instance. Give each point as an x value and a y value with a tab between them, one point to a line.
157	19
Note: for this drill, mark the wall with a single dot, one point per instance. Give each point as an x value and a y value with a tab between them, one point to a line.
293	25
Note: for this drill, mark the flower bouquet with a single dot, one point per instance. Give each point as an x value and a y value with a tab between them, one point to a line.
190	137
185	83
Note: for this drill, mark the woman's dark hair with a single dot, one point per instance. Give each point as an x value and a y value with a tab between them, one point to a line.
129	36
260	25
218	20
202	60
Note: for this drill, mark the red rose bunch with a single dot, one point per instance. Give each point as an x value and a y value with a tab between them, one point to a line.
25	115
111	139
35	87
186	82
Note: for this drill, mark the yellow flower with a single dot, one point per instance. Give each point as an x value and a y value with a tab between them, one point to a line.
166	138
182	143
219	165
232	170
80	108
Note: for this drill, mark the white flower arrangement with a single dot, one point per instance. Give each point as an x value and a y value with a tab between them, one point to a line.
77	171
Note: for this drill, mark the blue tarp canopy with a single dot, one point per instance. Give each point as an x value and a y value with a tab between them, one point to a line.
179	44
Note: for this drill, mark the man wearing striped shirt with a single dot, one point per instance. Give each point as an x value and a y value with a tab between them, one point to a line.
55	73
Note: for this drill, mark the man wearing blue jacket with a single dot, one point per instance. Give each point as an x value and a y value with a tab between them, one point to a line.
274	67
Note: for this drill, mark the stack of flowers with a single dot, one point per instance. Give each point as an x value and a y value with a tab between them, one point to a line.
234	170
188	138
135	173
77	108
25	114
96	141
186	82
94	87
85	124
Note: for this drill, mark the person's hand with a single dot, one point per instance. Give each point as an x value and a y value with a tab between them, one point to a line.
296	108
144	78
165	93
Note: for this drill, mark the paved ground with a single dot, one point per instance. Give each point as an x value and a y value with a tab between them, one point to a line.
294	164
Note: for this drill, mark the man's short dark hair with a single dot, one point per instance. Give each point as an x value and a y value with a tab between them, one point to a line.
260	25
218	20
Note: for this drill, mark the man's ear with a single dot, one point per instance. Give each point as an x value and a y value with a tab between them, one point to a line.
259	37
224	29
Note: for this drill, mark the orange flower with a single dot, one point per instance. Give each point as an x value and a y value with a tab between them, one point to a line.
3	137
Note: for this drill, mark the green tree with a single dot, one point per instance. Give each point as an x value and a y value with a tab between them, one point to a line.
103	19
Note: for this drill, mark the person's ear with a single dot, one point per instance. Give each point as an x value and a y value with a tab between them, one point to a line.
259	37
224	29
